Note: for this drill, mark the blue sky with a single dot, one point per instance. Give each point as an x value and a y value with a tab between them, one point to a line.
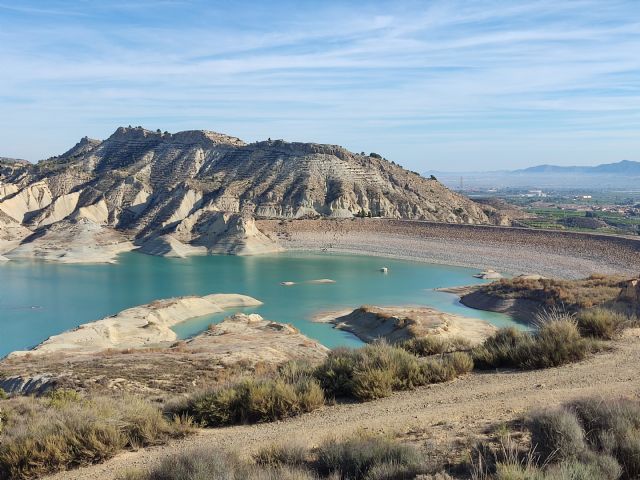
446	85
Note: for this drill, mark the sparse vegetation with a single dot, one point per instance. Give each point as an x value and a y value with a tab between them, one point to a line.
64	430
252	401
587	439
374	371
358	458
572	295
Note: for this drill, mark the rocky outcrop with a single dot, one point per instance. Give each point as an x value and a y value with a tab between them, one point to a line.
205	189
252	339
27	385
11	233
143	326
239	344
396	324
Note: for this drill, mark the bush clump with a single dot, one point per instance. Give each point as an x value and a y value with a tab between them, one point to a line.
586	439
556	342
359	457
65	431
377	370
602	323
208	463
253	401
557	435
434	345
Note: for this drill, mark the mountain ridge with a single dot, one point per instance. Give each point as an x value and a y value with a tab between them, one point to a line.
197	191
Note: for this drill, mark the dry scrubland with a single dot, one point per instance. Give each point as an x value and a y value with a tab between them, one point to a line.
66	430
513	250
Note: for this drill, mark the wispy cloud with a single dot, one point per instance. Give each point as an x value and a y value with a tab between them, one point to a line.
424	82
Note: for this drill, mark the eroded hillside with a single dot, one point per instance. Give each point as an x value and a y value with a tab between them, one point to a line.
198	191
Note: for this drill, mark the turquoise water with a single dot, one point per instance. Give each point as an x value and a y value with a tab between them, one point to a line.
39	299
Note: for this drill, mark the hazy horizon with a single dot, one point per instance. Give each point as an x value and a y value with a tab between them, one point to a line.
450	86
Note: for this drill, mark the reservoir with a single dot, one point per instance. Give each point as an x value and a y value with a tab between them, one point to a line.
40	299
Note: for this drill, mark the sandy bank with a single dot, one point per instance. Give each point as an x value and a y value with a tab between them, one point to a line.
395	324
512	250
141	326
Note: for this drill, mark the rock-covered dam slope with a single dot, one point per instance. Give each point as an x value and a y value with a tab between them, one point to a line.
504	249
197	192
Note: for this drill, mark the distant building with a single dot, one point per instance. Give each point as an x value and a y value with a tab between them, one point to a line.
535	193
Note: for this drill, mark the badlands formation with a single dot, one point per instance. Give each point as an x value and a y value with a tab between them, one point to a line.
198	192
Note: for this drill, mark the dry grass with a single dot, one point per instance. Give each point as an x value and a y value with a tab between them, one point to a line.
65	431
357	458
603	323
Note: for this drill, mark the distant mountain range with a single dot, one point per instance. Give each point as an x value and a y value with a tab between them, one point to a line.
625	167
620	175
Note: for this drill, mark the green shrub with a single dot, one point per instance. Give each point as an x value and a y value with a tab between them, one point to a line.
557	435
437	371
371	383
602	323
289	454
502	349
213	464
356	458
556	342
460	362
251	401
377	370
434	345
335	374
614	428
3	394
62	396
606	469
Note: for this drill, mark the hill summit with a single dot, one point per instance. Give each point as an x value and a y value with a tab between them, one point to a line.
198	189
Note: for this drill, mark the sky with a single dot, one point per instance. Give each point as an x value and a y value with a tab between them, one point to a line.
434	85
